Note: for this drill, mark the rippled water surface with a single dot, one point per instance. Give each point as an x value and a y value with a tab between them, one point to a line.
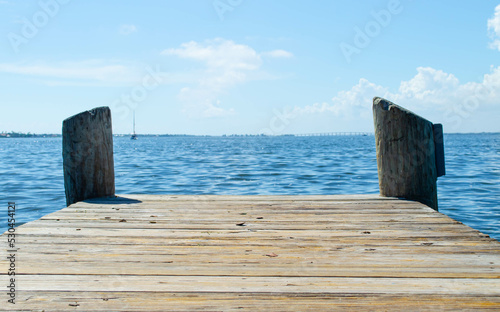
31	171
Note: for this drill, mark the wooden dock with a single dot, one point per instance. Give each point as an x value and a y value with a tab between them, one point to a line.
233	253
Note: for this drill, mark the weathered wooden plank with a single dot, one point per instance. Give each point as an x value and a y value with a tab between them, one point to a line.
264	218
387	269
253	224
185	301
464	244
284	203
245	198
266	284
230	254
238	232
296	265
294	247
460	244
286	208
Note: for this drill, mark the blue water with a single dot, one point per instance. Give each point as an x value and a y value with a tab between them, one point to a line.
31	171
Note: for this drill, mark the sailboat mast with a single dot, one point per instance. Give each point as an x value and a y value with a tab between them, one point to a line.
134	136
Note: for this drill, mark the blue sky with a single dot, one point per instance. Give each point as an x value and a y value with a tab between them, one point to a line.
241	66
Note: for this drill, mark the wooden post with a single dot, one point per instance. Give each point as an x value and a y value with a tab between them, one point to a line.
406	153
88	155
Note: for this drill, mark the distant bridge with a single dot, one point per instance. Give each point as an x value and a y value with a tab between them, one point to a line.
335	134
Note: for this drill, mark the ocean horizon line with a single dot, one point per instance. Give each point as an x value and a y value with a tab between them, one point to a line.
13	134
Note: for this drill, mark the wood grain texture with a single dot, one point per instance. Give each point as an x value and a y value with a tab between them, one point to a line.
273	253
88	155
406	158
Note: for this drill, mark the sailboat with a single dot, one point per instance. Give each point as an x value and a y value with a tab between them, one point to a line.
134	136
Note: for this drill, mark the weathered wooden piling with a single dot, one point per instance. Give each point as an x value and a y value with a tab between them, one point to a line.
407	156
88	155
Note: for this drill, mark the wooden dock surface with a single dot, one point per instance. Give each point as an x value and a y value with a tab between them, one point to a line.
233	253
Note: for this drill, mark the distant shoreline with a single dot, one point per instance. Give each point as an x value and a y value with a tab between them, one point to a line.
53	135
28	135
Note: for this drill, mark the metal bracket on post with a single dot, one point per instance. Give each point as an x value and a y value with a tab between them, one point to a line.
439	149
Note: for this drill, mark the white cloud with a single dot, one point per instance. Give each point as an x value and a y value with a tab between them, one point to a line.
349	103
494	29
76	73
433	89
127	29
224	65
428	82
432	93
219	54
278	54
